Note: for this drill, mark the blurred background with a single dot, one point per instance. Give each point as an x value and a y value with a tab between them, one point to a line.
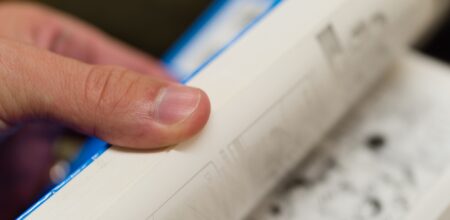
150	25
154	25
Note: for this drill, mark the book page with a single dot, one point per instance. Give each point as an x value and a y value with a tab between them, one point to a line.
274	94
382	160
435	204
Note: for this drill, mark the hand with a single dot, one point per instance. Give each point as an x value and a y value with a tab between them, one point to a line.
55	68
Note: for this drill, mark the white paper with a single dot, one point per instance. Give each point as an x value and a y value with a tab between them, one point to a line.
347	178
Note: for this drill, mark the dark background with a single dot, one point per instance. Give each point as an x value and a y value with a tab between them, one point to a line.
150	25
438	44
153	25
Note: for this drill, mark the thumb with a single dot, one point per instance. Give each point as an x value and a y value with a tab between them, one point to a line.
117	105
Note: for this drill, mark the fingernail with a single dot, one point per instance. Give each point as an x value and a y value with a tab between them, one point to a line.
174	104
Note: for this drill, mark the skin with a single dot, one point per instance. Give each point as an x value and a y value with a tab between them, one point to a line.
56	68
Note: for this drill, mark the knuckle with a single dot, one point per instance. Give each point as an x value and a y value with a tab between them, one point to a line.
110	93
104	87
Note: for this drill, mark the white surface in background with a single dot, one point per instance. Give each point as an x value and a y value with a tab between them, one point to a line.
348	178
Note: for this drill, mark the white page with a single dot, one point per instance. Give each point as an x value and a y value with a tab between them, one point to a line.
348	178
435	205
274	94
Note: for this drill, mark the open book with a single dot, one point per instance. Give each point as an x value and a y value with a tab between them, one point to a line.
387	159
276	93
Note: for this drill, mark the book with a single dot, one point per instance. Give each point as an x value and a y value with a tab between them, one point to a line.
386	159
275	92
